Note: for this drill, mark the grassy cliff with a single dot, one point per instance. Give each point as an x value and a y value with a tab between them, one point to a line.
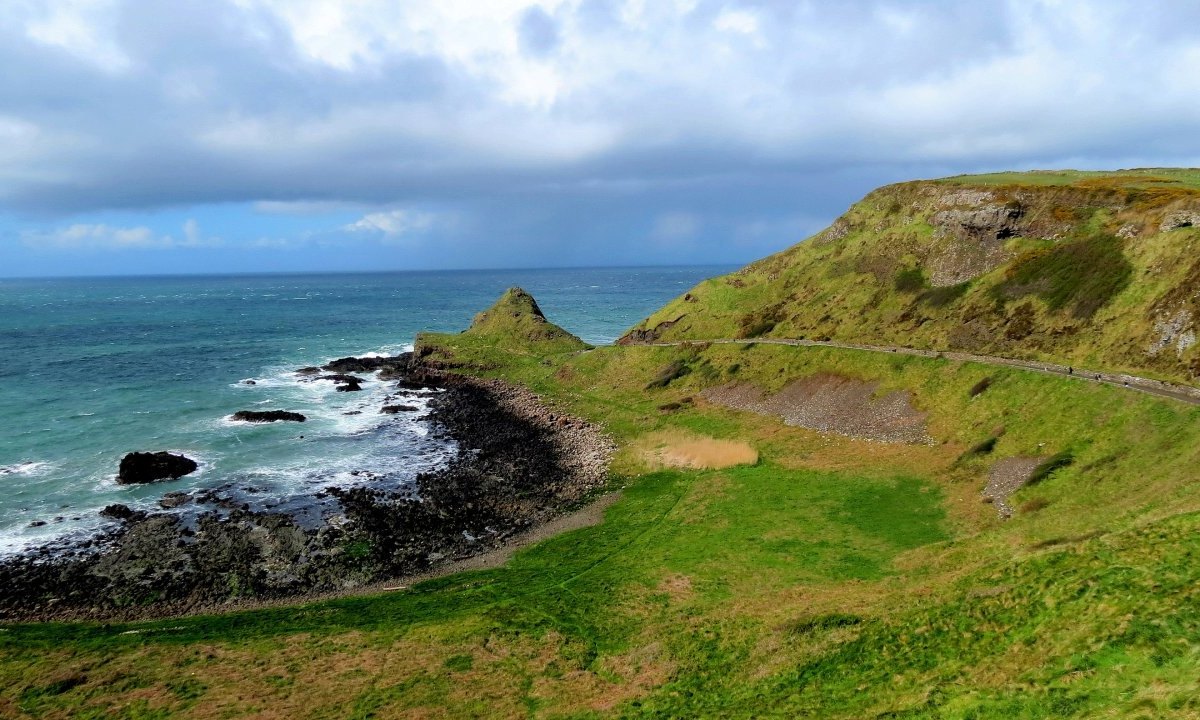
1100	270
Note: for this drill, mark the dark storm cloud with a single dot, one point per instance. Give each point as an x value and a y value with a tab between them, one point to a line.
698	124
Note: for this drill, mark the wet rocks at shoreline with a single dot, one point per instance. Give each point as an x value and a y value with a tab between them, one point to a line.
527	464
145	467
266	416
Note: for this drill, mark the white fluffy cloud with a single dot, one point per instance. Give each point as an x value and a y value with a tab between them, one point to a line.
92	236
393	223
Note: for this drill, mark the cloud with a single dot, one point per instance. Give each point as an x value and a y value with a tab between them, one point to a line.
393	223
82	235
100	236
522	114
538	32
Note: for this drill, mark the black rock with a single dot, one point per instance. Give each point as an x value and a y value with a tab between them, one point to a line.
37	523
120	512
249	382
349	387
393	409
309	371
174	500
342	378
145	467
265	416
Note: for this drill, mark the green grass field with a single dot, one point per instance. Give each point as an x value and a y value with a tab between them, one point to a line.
833	578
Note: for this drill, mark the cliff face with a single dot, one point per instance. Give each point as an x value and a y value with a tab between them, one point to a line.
1097	269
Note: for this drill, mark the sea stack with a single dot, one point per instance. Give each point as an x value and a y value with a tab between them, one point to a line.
146	467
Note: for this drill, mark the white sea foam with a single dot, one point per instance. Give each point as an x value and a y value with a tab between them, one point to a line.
29	469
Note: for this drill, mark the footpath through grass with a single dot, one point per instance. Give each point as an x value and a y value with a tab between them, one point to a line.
834	578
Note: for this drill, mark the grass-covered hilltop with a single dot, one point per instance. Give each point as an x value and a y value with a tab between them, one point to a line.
1096	269
791	531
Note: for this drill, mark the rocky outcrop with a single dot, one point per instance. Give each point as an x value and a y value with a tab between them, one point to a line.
368	364
267	416
978	227
146	467
1180	219
121	512
648	335
528	463
394	409
344	383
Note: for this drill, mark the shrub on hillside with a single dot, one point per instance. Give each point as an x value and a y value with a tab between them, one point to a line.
980	387
1051	465
676	369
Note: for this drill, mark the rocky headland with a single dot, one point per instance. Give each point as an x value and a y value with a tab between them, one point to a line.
520	464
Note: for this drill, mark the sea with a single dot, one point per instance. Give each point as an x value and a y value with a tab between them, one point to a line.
92	369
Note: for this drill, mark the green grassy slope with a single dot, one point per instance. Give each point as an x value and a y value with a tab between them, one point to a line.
835	577
1100	270
514	323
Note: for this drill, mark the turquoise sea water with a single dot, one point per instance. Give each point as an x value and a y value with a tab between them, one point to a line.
91	369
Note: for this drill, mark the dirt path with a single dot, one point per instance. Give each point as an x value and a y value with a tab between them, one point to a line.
1161	388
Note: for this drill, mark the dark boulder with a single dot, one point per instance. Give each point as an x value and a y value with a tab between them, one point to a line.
265	416
145	467
393	409
121	512
348	387
353	364
342	378
369	364
309	371
174	500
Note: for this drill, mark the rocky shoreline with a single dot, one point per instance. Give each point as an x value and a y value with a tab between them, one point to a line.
520	464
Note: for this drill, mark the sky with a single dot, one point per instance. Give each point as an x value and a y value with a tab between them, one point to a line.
224	136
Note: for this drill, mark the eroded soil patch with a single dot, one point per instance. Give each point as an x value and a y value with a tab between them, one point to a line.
832	403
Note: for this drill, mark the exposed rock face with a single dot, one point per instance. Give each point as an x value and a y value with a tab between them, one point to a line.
266	416
393	409
1177	330
146	467
1180	219
648	335
979	227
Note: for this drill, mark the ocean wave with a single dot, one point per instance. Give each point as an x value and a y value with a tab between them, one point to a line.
26	468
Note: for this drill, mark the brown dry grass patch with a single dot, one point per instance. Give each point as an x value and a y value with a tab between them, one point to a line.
680	449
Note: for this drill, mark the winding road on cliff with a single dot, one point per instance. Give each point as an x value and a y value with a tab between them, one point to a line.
1161	388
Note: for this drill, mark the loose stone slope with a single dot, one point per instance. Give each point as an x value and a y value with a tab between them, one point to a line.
832	403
